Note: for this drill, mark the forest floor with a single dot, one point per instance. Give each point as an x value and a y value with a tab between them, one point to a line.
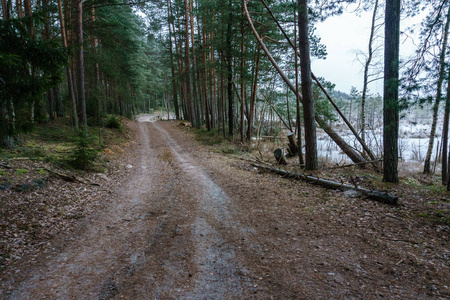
170	218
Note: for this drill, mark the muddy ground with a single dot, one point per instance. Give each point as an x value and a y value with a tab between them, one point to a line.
181	221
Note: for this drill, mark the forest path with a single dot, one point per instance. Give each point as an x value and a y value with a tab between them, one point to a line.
160	238
188	223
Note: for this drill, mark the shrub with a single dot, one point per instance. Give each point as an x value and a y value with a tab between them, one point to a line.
83	156
113	122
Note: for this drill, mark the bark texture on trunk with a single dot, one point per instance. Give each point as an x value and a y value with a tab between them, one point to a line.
189	104
444	172
81	105
5	10
311	162
172	64
230	71
390	95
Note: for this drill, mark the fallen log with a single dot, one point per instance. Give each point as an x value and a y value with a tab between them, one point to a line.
69	178
357	164
64	176
375	195
256	160
5	166
185	124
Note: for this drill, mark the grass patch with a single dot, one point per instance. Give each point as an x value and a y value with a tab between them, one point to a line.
20	172
438	216
209	138
218	142
57	143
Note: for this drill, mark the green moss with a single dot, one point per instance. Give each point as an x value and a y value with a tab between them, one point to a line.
411	181
439	216
20	172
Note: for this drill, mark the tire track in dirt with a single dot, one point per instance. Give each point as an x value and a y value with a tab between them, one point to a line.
219	270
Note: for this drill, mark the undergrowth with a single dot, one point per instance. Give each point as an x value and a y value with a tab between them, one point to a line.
113	122
59	144
216	140
85	154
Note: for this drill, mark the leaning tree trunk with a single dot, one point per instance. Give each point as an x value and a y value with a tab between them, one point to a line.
347	149
427	164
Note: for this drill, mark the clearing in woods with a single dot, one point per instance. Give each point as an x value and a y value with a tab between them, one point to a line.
189	223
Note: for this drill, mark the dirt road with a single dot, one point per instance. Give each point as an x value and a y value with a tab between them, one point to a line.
191	224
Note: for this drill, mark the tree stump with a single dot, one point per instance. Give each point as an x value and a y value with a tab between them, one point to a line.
293	148
279	157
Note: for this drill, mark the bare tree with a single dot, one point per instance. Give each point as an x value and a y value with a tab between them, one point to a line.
427	164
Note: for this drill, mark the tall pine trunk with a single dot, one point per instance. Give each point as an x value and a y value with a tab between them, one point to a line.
189	102
5	15
297	96
230	70
242	125
311	162
253	94
172	63
213	86
80	67
208	115
195	86
68	70
445	126
390	95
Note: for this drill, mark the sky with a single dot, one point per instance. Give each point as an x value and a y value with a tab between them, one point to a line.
343	36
